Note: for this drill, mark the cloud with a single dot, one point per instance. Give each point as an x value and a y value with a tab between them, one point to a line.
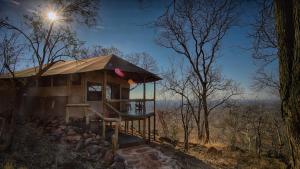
15	2
100	27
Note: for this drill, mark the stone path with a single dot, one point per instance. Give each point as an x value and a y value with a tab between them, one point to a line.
146	157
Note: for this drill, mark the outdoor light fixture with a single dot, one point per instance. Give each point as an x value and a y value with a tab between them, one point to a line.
52	16
131	82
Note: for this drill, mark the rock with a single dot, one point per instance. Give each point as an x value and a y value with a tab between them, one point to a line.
88	141
93	149
73	139
106	143
108	157
214	151
71	165
55	137
71	132
118	165
63	127
98	137
85	135
118	158
79	145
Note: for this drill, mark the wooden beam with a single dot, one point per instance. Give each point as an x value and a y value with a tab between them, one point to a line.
104	91
131	127
103	102
144	97
154	110
139	126
144	128
120	97
149	130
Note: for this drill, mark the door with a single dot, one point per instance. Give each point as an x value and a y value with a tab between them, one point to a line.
94	95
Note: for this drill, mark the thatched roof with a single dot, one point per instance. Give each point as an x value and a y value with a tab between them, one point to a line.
109	63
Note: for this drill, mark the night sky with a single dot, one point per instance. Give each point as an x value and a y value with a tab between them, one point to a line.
125	25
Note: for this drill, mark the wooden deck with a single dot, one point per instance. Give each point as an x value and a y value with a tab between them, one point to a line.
124	140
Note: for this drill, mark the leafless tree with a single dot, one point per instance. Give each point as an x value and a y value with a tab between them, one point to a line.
99	50
195	29
287	16
176	83
11	51
47	42
265	48
54	41
144	60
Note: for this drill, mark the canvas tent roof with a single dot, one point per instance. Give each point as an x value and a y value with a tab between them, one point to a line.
109	63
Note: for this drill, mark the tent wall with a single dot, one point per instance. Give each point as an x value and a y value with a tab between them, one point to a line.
50	101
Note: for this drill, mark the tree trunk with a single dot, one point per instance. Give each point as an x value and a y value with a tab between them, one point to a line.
186	139
287	14
202	130
205	108
199	131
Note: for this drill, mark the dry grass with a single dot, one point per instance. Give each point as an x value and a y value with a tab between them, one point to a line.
8	165
226	159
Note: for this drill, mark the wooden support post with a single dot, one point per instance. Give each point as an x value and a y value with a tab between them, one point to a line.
131	127
104	92
126	127
103	128
139	126
87	117
144	97
103	102
154	110
115	138
149	129
144	128
67	115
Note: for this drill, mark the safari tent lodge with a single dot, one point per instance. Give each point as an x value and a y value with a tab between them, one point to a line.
94	89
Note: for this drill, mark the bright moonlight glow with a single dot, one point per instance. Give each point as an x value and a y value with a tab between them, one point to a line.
52	16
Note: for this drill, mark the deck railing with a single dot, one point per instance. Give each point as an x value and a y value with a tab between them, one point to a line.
132	106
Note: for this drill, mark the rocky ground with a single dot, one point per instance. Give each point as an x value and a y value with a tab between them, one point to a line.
55	145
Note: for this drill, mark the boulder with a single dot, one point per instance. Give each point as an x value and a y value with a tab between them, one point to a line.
88	141
93	149
109	157
214	151
118	165
73	138
71	132
79	145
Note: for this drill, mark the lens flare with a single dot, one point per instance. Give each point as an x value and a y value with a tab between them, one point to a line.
52	16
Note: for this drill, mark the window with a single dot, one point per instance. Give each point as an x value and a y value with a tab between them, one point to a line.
45	81
94	91
60	80
76	79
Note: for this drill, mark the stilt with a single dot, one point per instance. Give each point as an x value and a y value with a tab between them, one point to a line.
144	128
125	127
139	126
103	129
149	130
131	127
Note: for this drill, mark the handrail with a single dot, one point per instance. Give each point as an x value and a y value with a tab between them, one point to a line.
114	109
129	100
104	118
